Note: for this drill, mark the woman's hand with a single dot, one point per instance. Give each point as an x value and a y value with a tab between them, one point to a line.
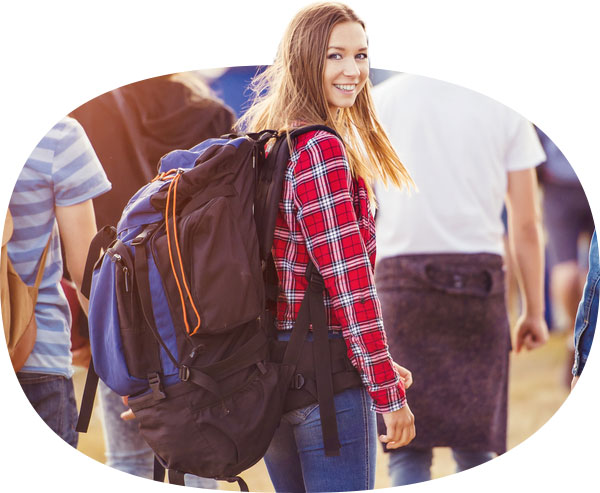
405	375
399	428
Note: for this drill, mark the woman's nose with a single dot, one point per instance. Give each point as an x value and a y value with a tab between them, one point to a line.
351	68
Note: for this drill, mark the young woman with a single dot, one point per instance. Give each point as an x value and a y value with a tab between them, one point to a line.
320	76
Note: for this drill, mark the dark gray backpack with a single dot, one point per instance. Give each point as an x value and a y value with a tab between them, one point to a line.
179	318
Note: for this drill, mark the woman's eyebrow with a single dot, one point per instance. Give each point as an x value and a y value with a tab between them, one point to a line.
341	48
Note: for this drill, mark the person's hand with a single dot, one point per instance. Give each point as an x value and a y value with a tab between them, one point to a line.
405	375
127	415
530	332
399	428
574	382
82	356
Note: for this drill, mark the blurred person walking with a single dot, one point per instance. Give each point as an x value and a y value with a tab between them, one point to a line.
440	272
131	128
567	220
587	313
52	202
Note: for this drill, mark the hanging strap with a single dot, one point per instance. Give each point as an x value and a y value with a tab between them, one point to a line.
235	479
87	400
176	477
101	241
312	309
322	360
158	473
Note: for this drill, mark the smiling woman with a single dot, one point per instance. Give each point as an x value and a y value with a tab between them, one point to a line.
325	232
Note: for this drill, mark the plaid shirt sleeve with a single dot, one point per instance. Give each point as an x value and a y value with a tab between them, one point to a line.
325	212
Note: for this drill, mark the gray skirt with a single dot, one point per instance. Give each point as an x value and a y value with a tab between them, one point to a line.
446	321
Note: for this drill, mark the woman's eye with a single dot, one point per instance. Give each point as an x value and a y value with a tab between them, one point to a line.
334	56
362	56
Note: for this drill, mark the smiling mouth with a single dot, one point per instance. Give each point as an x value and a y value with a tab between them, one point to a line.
348	88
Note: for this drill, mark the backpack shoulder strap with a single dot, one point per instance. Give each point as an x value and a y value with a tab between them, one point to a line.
7	235
270	185
100	242
311	128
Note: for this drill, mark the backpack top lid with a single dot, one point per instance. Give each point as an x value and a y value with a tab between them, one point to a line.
147	204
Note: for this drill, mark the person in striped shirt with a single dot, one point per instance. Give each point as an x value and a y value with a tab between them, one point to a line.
320	76
52	201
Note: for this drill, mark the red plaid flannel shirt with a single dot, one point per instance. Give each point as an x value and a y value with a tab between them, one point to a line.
324	214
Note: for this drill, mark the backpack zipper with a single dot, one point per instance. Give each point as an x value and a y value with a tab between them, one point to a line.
116	258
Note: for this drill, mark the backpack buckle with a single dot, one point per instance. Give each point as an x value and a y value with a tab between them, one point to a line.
184	373
314	278
155	386
144	235
297	381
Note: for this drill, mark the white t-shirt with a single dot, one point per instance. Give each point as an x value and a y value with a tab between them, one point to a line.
458	146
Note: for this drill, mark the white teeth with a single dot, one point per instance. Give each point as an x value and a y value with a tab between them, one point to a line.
348	87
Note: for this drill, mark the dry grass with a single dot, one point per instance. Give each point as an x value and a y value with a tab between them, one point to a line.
536	392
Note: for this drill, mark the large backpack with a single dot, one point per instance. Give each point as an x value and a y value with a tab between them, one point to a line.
179	316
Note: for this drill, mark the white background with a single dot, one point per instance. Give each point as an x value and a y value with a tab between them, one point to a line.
538	57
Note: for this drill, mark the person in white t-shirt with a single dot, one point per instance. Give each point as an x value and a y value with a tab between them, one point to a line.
440	263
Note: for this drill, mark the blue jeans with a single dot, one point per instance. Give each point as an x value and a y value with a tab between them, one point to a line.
53	397
126	450
587	312
296	459
409	466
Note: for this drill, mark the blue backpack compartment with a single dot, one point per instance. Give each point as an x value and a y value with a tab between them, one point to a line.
107	334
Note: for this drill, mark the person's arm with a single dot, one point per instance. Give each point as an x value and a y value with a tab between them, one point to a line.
527	248
77	227
325	212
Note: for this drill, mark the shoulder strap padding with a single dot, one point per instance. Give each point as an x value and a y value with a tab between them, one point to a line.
270	185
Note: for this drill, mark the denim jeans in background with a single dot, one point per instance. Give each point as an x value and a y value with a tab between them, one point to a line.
409	466
587	312
296	458
53	397
126	450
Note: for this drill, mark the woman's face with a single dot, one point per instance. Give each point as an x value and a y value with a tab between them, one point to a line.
346	65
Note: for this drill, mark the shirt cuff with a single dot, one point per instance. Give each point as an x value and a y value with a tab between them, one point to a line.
389	399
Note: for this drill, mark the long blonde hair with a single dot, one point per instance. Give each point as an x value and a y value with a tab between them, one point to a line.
290	92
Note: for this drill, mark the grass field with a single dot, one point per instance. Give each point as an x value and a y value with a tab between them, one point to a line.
536	392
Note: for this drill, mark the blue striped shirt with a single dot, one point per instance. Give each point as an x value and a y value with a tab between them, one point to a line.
62	170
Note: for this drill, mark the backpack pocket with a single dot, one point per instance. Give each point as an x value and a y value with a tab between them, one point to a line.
214	267
194	433
140	349
106	336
